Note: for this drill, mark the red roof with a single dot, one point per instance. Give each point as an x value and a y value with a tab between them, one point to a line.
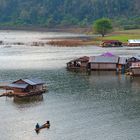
82	59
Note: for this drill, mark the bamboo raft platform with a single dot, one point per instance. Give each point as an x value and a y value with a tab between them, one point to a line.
29	94
23	94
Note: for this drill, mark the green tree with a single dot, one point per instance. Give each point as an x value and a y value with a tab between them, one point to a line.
102	26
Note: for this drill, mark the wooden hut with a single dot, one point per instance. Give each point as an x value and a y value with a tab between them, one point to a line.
103	63
134	69
111	43
134	42
27	87
131	60
79	63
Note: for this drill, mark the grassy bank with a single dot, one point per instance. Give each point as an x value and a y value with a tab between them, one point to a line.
122	36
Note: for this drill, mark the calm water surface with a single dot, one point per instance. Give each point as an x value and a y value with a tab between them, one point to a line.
100	106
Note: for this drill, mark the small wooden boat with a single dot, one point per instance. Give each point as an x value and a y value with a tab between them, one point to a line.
46	125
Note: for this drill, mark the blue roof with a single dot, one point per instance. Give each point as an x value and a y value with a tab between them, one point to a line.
33	81
18	85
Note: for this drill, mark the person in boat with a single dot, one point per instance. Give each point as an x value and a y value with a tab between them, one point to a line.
37	126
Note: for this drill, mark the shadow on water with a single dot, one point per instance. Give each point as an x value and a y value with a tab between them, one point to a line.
28	100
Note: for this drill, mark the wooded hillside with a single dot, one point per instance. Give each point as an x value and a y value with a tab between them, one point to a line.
68	12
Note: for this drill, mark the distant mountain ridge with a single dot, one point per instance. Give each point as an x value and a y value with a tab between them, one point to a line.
67	12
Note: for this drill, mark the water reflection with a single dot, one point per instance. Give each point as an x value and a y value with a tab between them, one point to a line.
80	106
28	100
101	99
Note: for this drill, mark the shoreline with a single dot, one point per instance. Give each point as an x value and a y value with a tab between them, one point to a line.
45	29
77	41
85	39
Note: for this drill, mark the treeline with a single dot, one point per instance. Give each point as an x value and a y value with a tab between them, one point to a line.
59	13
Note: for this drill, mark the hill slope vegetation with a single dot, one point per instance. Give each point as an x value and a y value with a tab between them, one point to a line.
68	12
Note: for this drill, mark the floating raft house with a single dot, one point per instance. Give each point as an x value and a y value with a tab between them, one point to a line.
25	87
134	42
111	43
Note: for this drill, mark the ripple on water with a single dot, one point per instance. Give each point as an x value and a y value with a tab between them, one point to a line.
79	106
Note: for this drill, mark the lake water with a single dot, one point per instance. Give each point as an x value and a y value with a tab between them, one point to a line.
100	106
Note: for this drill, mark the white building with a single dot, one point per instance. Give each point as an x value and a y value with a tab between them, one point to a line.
134	42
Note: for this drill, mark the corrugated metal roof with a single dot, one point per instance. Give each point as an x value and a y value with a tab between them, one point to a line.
136	57
103	59
23	86
122	60
33	81
134	41
29	81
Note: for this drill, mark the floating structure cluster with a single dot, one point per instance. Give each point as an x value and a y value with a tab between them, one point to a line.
107	62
